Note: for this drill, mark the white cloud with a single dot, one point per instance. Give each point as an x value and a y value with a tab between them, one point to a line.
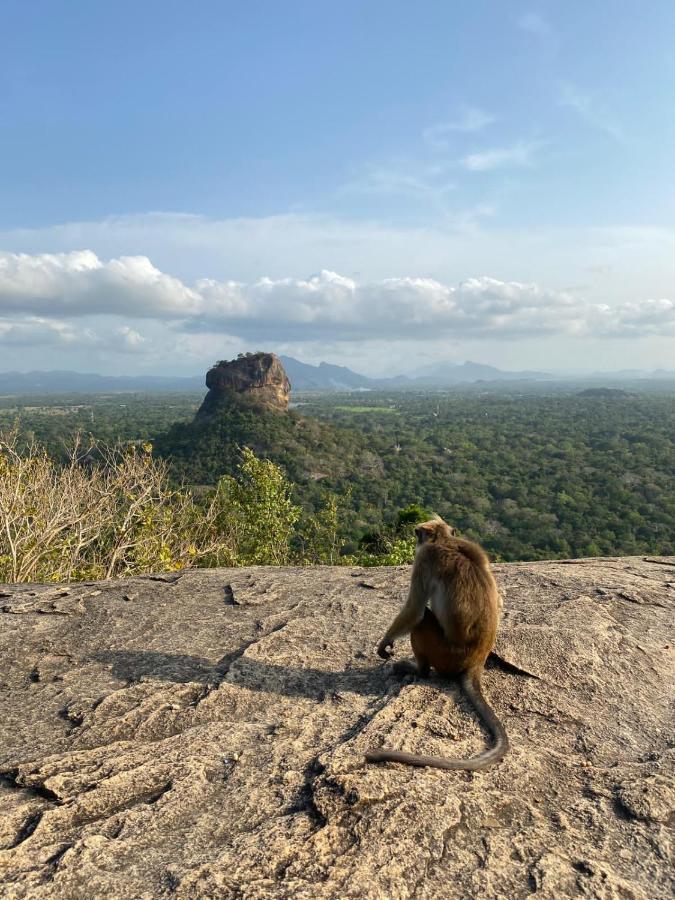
422	180
588	109
47	289
469	120
127	340
638	261
520	154
55	334
80	284
36	331
638	319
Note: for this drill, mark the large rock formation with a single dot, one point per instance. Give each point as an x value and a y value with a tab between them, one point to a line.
259	378
202	735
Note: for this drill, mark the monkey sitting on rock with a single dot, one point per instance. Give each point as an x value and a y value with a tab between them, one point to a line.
454	636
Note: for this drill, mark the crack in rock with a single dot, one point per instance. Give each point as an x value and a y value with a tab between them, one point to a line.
208	739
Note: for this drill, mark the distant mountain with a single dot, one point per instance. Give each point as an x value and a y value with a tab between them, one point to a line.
90	383
635	374
305	377
469	372
324	377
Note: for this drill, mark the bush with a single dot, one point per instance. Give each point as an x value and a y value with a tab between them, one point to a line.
110	512
105	513
257	511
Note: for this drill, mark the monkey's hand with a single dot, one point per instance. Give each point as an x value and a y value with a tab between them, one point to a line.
383	649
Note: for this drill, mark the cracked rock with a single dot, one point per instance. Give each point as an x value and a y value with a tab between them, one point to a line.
206	738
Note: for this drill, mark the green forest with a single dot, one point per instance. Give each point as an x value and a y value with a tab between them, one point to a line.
530	474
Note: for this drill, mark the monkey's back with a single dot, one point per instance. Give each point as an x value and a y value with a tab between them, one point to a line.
464	599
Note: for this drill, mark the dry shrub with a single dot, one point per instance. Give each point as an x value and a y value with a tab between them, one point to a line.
105	513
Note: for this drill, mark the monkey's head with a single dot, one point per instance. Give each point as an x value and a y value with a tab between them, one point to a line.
435	530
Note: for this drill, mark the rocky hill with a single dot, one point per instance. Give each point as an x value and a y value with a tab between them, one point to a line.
247	406
202	735
259	378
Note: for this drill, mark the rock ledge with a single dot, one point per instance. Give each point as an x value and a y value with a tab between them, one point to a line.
202	735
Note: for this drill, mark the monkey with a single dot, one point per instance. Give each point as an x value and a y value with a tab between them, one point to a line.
454	636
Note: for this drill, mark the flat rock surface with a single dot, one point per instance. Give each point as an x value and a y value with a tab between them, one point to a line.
202	735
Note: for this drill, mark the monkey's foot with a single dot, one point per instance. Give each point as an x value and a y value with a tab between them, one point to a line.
384	650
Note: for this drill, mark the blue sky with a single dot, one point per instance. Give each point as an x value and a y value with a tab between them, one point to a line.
492	180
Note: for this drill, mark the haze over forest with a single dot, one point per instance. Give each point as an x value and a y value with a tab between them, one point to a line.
376	186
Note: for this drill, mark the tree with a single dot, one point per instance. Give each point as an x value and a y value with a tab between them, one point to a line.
256	511
320	534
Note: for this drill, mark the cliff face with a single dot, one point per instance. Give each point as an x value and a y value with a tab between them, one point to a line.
259	378
202	735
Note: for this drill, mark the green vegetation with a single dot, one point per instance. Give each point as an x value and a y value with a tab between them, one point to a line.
257	510
531	474
365	409
107	513
53	420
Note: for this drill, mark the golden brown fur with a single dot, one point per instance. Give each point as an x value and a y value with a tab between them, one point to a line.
455	635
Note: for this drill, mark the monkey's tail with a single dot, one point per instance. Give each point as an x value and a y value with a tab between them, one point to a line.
471	686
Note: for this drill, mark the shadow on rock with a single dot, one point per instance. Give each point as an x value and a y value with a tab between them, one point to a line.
252	674
134	665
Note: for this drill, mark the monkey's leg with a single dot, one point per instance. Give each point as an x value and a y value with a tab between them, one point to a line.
410	615
422	637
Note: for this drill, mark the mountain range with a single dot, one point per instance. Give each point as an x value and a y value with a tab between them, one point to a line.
303	377
65	382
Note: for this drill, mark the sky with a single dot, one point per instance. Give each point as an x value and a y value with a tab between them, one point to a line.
373	183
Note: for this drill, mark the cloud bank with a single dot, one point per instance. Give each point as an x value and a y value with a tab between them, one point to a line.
79	283
43	295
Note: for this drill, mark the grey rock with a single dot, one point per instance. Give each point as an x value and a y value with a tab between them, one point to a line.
258	378
203	736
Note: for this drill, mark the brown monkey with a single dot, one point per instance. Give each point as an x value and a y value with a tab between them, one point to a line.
454	636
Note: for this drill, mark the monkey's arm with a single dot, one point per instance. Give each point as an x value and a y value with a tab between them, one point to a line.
411	614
